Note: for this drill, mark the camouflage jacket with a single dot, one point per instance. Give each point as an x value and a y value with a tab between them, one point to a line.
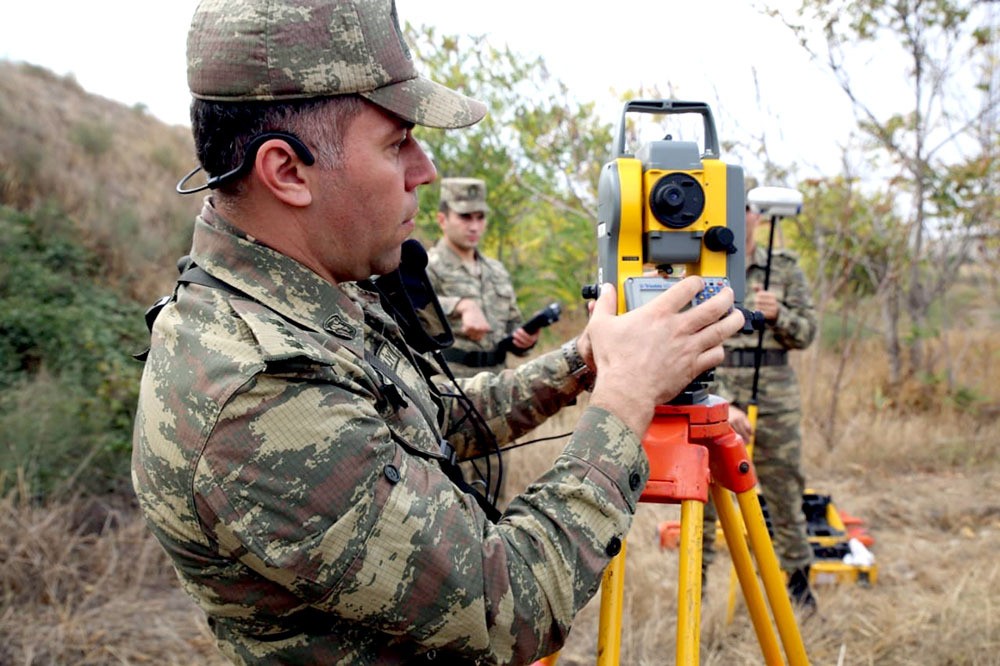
795	328
491	289
302	501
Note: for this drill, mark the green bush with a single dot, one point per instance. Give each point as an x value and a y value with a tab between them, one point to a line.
67	379
95	138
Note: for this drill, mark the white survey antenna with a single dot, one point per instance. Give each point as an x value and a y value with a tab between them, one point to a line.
775	201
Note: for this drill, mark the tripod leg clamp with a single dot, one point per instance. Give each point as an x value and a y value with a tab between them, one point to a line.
731	465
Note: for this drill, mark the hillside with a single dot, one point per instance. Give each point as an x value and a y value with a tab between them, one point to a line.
108	167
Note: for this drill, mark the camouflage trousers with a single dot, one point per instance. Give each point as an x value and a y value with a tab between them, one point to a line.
777	458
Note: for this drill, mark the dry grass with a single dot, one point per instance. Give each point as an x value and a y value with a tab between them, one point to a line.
84	583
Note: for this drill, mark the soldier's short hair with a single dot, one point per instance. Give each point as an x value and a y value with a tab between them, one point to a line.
222	131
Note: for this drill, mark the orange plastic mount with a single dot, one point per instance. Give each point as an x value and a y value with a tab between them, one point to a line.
678	464
687	446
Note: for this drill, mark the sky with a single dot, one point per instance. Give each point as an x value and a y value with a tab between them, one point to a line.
710	51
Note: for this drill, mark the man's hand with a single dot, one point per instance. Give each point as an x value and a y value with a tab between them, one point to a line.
524	340
474	324
647	356
767	303
740	422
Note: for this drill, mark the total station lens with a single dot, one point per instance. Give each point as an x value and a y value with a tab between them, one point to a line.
677	200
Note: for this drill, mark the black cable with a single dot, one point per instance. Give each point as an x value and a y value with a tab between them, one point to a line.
530	441
480	427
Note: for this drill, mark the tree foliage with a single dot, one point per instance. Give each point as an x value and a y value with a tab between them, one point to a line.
933	154
539	151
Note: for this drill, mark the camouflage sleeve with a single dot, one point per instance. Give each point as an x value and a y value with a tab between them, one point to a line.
796	324
512	402
331	508
499	301
448	303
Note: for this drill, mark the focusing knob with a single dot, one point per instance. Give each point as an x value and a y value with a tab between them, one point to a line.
721	239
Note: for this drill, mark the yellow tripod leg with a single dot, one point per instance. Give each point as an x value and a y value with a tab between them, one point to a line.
731	606
741	533
689	583
743	570
609	630
752	417
772	577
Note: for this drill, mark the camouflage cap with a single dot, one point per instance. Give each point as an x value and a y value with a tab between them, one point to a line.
464	195
268	50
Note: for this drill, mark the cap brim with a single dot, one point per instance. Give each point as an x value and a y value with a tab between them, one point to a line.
424	102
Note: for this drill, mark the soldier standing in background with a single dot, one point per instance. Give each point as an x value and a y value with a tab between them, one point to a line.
777	453
475	291
476	294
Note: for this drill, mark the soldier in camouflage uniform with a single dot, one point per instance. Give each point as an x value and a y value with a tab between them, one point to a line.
475	291
777	454
476	294
288	451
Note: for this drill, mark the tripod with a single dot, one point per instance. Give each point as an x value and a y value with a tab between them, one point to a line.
693	451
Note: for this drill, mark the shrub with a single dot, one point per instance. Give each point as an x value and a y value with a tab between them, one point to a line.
95	138
65	353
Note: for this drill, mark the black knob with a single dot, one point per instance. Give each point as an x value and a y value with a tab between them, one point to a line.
753	320
721	239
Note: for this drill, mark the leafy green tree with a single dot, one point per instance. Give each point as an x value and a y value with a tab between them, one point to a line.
540	152
848	242
921	149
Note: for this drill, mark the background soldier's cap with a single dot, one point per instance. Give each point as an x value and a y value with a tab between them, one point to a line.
269	50
464	195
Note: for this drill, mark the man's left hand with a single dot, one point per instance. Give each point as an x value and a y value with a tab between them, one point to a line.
766	303
524	340
740	422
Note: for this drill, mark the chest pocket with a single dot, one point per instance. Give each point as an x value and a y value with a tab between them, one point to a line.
409	413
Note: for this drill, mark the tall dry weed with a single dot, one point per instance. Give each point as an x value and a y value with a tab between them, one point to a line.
82	583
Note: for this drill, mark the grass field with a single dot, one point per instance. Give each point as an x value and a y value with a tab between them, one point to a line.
83	583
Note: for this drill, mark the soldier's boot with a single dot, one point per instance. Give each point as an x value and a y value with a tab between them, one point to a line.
800	592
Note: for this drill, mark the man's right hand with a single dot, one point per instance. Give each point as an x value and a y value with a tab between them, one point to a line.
647	356
474	323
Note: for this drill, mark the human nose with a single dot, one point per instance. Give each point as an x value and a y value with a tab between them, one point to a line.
420	169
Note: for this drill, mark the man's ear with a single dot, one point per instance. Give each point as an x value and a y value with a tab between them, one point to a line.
281	171
441	218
